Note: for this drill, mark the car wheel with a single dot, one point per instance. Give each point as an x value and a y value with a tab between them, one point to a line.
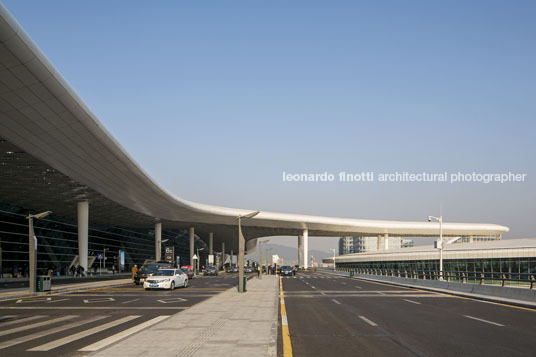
172	286
185	283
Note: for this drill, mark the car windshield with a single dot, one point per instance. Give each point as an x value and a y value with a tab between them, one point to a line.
184	269
286	267
166	272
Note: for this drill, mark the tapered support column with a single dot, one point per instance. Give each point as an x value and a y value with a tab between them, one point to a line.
192	242
305	249
158	241
83	226
386	241
32	272
210	243
379	243
300	252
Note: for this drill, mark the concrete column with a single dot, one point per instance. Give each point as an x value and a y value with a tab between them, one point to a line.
32	272
158	241
192	241
240	262
379	244
210	243
300	251
386	241
231	258
470	240
83	227
305	248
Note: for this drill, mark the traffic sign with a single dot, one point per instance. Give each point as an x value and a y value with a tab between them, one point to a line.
100	256
195	257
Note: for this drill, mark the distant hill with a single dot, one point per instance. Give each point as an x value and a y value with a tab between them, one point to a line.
289	254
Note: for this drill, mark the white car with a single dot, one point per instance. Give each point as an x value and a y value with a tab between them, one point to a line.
166	279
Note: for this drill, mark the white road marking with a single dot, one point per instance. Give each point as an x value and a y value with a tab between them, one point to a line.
89	307
126	302
23	301
68	339
358	287
367	321
343	283
284	320
119	336
323	293
92	301
312	287
47	332
411	301
335	301
26	319
50	302
482	320
169	301
38	324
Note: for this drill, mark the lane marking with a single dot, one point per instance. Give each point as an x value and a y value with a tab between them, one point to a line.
172	300
411	301
323	293
312	287
121	335
335	301
26	319
23	301
367	321
126	302
482	320
50	302
92	307
47	332
68	339
358	287
287	344
93	301
38	324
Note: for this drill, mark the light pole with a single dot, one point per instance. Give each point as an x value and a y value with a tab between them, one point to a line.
334	266
439	243
241	248
260	256
32	247
198	260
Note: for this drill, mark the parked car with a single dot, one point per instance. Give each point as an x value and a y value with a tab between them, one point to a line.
187	269
229	269
210	270
149	269
286	270
235	269
166	279
248	269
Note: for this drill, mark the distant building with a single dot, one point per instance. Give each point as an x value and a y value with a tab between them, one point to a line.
348	245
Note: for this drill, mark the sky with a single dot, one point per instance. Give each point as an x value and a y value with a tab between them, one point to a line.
216	99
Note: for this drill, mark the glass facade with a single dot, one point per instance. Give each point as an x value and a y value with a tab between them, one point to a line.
58	243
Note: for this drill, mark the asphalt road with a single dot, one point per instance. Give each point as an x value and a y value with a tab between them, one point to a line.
342	316
70	324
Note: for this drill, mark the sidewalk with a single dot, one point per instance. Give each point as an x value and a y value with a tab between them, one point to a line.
227	324
9	294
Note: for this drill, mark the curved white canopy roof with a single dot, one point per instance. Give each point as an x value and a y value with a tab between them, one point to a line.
43	116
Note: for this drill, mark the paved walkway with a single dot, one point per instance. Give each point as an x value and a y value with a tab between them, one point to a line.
227	324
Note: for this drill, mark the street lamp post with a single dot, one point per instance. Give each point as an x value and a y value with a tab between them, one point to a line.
241	248
198	260
32	247
260	256
334	265
439	243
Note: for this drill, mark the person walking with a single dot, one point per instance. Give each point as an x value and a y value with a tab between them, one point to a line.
134	271
258	271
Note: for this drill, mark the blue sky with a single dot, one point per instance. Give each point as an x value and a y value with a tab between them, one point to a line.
216	99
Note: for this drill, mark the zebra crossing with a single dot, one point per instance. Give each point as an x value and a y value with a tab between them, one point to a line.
32	330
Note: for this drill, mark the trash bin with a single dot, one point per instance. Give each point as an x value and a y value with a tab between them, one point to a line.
245	280
352	273
43	283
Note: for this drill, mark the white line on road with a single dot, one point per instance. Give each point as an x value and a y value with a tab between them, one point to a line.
335	301
358	287
323	293
343	283
119	336
7	323
126	302
312	287
47	332
38	324
49	302
482	320
367	321
284	320
91	301
77	336
411	301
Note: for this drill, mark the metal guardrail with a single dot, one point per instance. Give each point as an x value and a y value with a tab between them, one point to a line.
528	279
